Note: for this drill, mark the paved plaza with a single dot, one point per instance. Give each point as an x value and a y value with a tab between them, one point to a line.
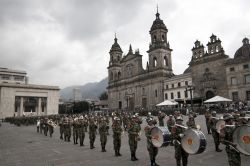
23	146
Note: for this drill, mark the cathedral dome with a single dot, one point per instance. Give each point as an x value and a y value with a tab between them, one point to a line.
243	51
158	23
115	46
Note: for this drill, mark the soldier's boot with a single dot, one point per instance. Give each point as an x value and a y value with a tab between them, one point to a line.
61	137
116	153
178	162
76	140
133	157
155	164
217	149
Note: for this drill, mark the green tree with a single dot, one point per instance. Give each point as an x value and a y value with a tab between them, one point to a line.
103	96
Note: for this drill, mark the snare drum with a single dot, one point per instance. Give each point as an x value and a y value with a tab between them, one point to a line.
194	141
160	136
241	137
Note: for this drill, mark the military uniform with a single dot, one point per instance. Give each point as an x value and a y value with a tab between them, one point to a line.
50	128
180	154
61	128
152	150
103	134
117	131
207	117
191	123
75	130
67	130
133	137
92	133
161	117
226	136
81	130
215	134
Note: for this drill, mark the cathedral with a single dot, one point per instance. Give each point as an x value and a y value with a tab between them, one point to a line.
129	85
211	72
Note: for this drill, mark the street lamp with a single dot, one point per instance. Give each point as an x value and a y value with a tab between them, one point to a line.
190	88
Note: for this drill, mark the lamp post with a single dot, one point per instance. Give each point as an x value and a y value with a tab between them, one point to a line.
190	88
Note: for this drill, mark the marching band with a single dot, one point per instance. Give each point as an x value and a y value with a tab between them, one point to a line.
232	130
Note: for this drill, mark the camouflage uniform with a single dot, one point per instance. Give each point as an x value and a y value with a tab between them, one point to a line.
67	131
180	154
81	130
51	130
117	131
215	134
92	133
207	117
161	117
61	128
170	124
46	128
133	138
75	131
103	134
191	123
152	150
233	154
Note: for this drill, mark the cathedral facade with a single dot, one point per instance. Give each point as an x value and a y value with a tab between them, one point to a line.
211	72
129	85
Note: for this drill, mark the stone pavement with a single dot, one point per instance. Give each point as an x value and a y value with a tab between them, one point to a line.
23	146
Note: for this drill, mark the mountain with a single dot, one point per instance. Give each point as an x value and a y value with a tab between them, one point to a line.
88	91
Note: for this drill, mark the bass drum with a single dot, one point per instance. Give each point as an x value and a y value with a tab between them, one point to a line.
241	137
194	141
160	136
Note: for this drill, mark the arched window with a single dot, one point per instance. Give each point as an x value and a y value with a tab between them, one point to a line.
119	75
154	62
165	61
216	48
111	75
154	38
163	38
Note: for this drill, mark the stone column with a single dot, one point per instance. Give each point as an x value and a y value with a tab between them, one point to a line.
21	107
39	107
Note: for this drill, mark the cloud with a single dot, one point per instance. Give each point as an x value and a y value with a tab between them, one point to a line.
65	43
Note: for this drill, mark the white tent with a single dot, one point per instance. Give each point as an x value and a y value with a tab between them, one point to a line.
217	99
167	103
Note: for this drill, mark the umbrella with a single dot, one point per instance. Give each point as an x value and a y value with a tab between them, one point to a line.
166	103
217	99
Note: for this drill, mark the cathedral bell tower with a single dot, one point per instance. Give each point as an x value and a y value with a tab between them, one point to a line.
114	68
159	49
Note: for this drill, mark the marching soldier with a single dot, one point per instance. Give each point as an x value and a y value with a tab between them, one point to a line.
117	131
213	120
41	125
133	137
61	128
67	129
92	132
81	130
191	122
177	134
50	127
170	124
46	126
152	150
226	137
161	117
207	117
75	130
103	133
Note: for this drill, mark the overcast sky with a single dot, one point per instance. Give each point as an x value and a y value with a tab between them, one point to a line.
67	42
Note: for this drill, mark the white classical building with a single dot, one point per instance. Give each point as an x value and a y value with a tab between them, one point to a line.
18	98
175	87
